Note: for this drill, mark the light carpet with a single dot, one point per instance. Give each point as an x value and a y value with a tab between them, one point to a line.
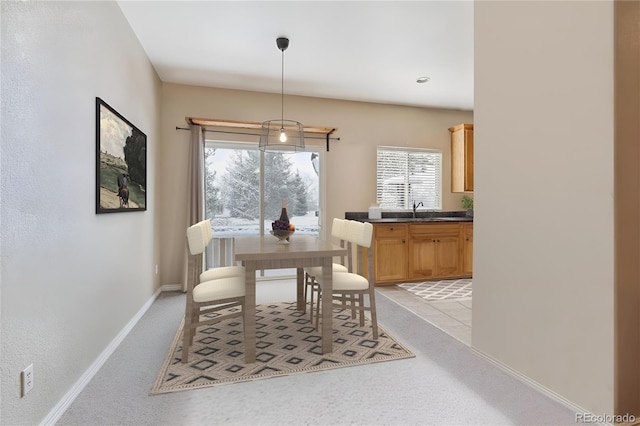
440	290
286	344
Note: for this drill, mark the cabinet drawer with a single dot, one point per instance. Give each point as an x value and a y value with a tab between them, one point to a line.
433	229
390	230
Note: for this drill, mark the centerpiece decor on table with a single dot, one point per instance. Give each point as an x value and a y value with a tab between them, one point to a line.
282	228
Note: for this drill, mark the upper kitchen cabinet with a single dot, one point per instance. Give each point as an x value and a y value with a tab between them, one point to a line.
462	158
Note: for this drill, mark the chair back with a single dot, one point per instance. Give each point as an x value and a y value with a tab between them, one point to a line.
198	237
359	234
337	228
208	233
338	231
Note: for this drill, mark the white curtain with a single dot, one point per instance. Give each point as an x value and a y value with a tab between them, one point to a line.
195	196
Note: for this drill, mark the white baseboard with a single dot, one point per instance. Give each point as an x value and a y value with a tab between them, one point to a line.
57	412
171	287
535	385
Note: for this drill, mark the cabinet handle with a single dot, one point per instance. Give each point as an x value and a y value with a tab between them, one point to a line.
402	241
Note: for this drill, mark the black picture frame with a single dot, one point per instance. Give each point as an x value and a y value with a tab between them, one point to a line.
121	162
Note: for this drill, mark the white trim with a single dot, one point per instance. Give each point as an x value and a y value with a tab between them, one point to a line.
519	376
62	405
535	385
171	287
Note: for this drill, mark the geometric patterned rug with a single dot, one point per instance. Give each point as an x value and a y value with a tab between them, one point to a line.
440	290
286	344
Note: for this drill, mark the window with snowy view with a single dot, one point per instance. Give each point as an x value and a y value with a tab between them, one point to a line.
234	176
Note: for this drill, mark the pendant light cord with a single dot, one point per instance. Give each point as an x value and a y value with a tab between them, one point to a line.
282	92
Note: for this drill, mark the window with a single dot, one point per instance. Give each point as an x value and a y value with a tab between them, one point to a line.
244	188
407	175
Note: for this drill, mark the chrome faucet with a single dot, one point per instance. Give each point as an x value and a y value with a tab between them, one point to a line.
415	206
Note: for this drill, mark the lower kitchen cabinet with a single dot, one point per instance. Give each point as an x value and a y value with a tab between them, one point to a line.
390	252
421	251
435	251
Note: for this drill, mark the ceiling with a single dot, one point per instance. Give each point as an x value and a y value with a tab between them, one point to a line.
372	51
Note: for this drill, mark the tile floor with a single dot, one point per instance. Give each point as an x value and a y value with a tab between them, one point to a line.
451	316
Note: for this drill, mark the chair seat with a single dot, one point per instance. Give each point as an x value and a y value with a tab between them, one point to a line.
222	272
347	281
220	289
316	271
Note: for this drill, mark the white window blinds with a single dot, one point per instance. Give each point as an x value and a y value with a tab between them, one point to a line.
405	175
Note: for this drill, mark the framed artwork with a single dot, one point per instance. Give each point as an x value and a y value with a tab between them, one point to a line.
121	163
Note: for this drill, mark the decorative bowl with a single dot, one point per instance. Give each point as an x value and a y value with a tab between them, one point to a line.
282	235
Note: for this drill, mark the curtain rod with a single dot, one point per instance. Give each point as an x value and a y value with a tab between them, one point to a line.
253	134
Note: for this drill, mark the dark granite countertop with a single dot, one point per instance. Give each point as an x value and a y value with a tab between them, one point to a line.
418	219
406	217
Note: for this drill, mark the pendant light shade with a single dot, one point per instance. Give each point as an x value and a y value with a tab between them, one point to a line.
282	135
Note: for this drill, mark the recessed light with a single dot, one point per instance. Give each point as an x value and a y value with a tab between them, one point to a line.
422	80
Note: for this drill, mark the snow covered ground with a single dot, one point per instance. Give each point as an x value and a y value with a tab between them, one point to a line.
230	227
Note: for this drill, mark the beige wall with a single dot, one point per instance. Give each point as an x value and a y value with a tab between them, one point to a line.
543	235
350	164
71	280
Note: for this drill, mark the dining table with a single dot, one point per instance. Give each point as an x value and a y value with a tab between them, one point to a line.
258	252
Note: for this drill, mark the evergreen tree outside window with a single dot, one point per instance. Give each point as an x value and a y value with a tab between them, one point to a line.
233	173
408	175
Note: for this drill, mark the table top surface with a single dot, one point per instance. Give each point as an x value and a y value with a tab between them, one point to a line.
256	247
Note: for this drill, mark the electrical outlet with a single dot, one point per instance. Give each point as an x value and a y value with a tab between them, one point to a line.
26	379
156	269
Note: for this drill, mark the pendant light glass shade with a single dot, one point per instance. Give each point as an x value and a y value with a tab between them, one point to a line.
282	135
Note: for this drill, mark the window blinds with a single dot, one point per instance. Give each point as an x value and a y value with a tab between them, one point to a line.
408	175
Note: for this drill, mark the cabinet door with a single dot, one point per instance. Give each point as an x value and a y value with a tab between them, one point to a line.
390	259
448	262
462	158
467	250
422	260
390	252
435	251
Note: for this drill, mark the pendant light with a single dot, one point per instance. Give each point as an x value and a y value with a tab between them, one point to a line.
282	135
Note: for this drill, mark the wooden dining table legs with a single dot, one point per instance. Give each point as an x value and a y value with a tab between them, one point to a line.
250	307
260	252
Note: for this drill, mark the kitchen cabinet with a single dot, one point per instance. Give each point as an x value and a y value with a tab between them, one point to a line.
467	248
435	251
406	251
390	252
462	158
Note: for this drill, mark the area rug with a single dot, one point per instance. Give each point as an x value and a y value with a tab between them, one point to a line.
440	290
286	344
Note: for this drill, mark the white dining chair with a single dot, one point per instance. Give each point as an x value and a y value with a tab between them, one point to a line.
221	271
350	289
310	273
211	296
